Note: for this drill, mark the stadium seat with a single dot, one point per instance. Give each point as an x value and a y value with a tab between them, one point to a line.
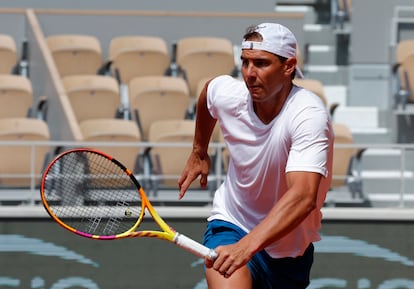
168	161
402	73
201	57
16	160
112	131
92	96
135	56
8	54
16	96
341	12
347	164
313	85
342	156
75	54
403	49
155	98
225	155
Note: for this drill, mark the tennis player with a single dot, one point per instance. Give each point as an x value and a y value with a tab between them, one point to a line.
266	215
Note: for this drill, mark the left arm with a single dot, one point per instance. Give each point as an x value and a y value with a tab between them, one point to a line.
287	214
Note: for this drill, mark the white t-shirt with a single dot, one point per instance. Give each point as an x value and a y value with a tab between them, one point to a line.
299	138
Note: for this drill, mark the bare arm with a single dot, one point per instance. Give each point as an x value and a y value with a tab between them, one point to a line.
287	214
198	162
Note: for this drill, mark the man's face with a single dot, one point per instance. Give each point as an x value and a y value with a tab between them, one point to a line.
263	73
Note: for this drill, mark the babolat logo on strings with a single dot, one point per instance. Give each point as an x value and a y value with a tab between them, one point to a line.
114	222
93	224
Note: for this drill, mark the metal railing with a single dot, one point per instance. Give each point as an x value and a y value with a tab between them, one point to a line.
382	186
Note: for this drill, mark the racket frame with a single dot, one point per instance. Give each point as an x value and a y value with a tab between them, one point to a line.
167	233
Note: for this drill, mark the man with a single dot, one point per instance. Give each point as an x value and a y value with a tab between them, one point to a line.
266	214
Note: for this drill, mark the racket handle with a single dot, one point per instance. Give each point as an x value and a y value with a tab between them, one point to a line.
194	246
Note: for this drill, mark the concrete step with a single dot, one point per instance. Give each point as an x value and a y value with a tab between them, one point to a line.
387	159
379	135
328	74
309	11
336	94
321	55
319	34
325	35
365	123
388	188
391	200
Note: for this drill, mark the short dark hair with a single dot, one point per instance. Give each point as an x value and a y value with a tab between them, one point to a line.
251	33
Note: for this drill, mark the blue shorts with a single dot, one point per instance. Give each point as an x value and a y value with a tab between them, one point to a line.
267	272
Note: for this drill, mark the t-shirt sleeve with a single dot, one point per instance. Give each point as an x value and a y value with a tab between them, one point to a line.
216	92
311	138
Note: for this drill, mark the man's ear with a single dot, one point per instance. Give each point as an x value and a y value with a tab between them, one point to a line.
290	65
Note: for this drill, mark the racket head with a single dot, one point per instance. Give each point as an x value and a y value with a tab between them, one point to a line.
92	194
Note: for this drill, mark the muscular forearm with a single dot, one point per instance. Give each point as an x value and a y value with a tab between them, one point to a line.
289	212
205	124
198	163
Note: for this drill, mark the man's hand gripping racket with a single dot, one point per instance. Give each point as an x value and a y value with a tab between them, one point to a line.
93	195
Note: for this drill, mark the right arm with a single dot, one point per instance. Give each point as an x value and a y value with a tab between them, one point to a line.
198	162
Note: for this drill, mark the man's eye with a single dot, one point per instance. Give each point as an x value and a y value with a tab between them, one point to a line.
260	63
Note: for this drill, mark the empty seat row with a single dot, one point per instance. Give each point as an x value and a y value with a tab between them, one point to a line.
121	139
23	160
166	162
151	98
134	56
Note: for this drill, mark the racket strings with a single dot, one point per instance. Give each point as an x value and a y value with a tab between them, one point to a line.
92	194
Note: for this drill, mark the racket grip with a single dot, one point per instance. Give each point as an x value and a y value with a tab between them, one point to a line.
194	246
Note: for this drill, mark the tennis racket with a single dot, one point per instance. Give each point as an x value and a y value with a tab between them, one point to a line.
93	195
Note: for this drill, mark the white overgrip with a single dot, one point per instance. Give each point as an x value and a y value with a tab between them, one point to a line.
194	246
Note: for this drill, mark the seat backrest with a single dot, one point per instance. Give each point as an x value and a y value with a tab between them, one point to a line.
168	161
8	53
158	98
16	96
92	96
114	131
313	85
202	57
342	155
406	75
136	56
345	5
75	54
17	160
403	49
